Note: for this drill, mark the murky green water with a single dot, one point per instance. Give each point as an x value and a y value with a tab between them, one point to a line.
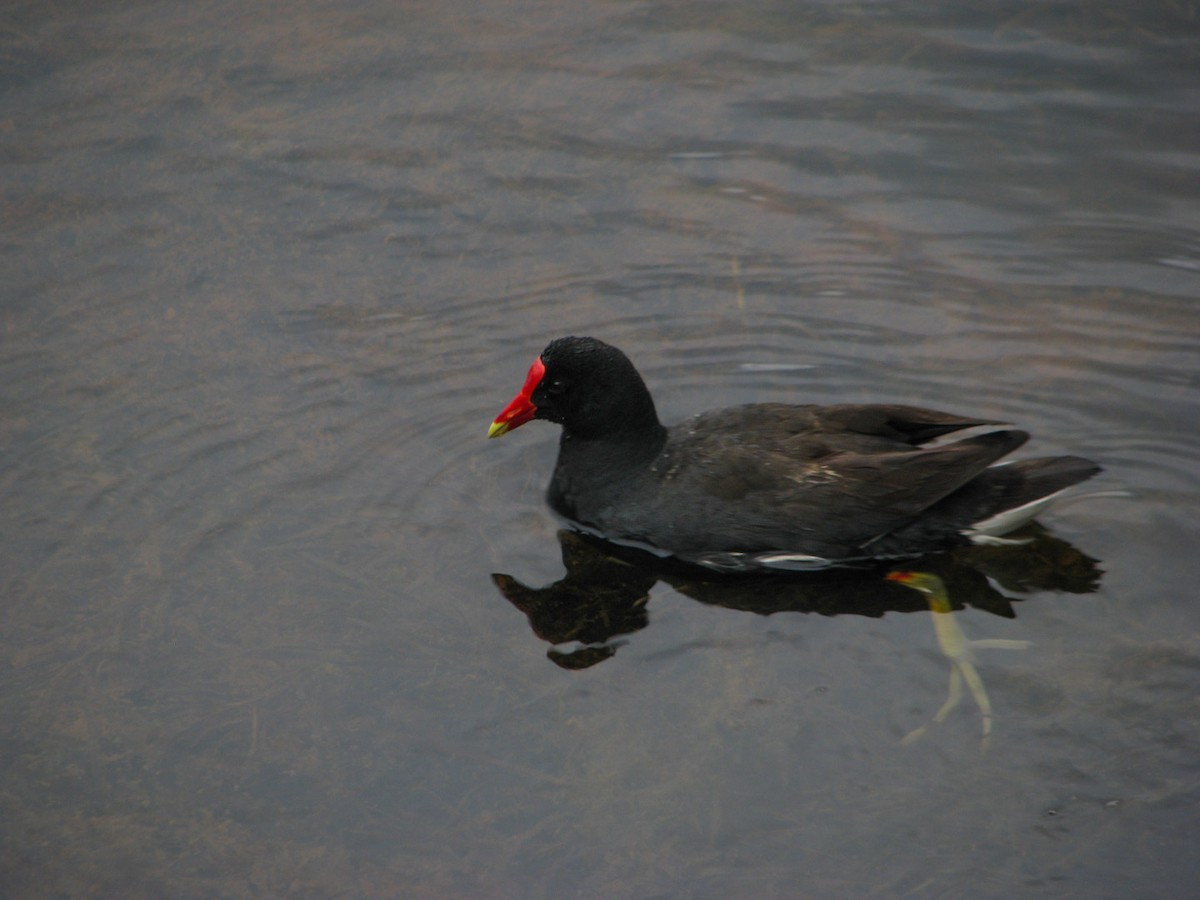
269	271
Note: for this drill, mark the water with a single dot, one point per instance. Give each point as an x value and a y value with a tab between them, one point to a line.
270	271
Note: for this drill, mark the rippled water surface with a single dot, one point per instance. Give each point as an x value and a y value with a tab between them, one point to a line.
278	620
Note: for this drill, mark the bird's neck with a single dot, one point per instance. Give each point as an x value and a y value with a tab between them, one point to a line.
593	472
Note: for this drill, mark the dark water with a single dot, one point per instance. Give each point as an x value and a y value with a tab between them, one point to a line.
269	271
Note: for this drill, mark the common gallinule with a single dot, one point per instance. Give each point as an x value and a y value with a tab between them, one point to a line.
769	485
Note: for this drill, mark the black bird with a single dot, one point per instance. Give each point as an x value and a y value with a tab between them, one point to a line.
770	485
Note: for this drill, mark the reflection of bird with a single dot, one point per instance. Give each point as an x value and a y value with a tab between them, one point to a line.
769	485
957	649
603	596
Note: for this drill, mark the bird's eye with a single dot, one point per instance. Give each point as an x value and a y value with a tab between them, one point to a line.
557	387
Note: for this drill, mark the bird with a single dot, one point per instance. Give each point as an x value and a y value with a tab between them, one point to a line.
771	485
